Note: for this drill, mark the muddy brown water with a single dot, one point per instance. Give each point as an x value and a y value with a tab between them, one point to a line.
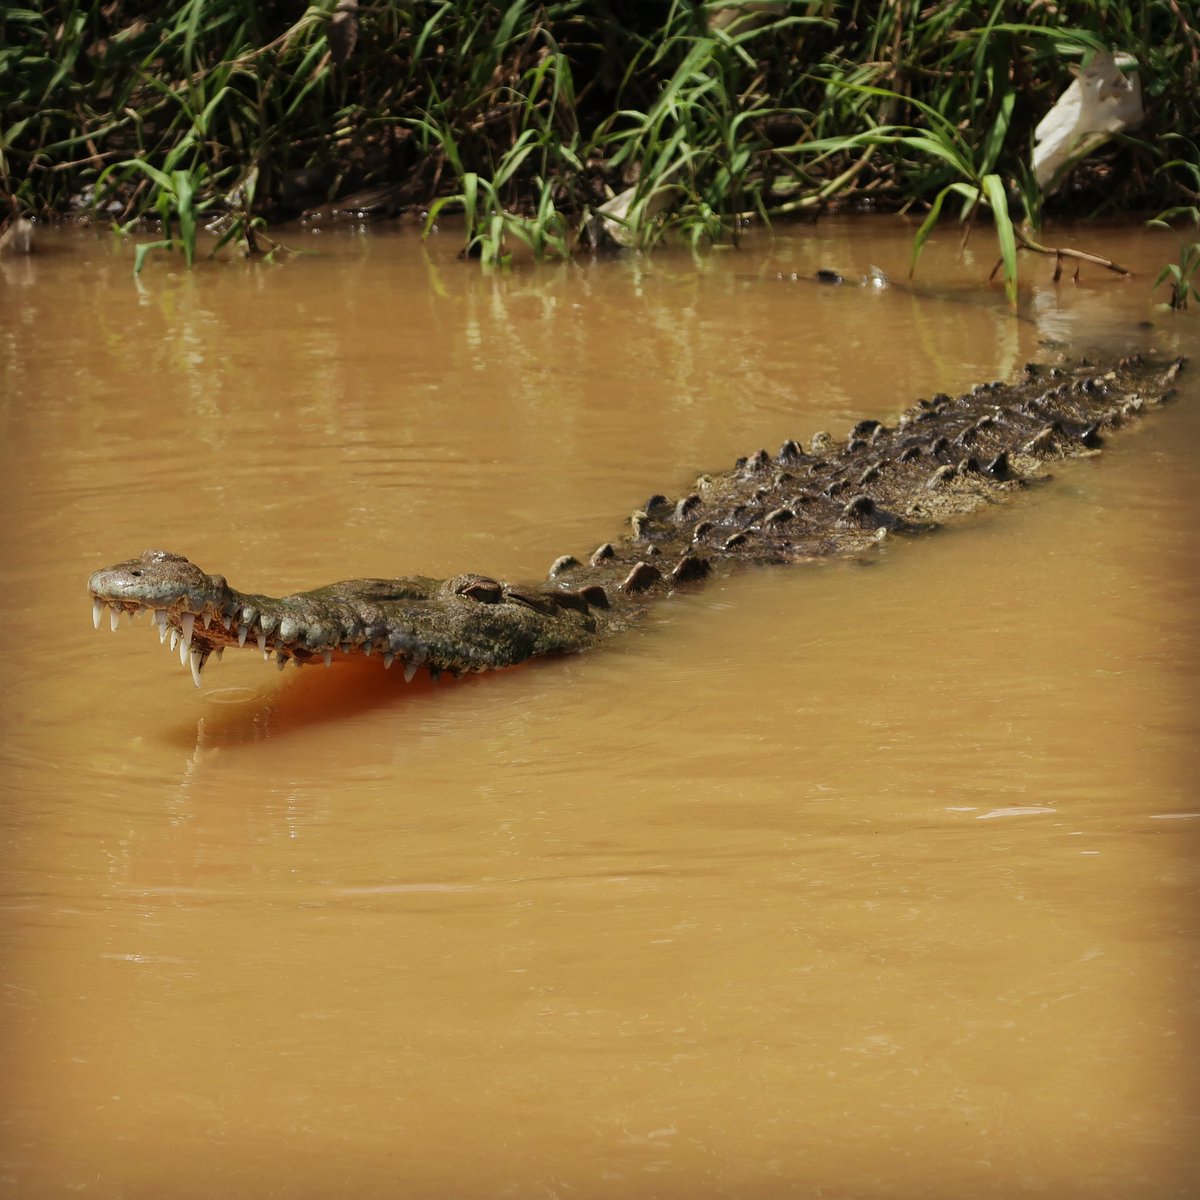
853	882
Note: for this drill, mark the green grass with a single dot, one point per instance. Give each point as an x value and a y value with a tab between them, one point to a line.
529	118
1182	275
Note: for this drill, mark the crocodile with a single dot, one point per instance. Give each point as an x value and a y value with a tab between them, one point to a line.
944	457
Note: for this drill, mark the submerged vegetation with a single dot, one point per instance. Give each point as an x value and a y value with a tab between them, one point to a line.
561	126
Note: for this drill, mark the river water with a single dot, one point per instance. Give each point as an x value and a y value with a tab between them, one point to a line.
859	882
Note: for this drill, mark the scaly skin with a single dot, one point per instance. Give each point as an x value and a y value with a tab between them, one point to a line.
944	457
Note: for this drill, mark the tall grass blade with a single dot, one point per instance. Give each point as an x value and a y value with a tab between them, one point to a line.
993	189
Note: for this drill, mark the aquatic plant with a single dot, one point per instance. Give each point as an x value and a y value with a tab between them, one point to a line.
1182	275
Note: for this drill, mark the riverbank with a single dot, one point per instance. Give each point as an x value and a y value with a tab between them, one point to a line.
532	118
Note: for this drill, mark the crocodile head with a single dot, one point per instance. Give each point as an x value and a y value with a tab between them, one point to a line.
466	623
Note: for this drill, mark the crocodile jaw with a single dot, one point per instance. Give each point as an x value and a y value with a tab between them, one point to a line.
174	590
465	624
200	615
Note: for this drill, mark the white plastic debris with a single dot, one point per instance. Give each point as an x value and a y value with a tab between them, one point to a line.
17	238
1101	100
620	218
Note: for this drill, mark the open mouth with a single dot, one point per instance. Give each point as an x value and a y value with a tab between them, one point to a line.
468	623
198	636
198	617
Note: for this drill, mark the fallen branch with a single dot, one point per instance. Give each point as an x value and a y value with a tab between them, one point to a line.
1061	252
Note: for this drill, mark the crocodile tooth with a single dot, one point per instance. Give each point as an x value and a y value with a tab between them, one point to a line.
367	647
188	622
410	670
388	659
163	630
346	647
184	648
280	659
206	618
97	609
129	616
114	618
243	631
195	664
261	635
160	617
327	655
174	639
226	621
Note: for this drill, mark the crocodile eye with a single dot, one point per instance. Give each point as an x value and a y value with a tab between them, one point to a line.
481	589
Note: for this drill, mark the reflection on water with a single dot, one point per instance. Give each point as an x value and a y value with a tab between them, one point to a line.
857	882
